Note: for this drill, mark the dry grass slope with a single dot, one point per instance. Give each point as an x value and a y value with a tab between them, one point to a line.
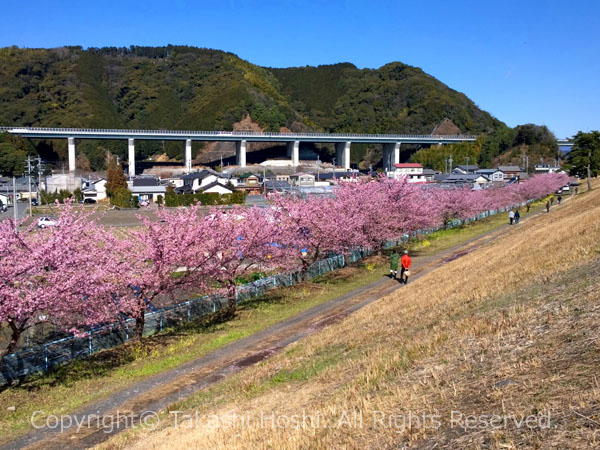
510	329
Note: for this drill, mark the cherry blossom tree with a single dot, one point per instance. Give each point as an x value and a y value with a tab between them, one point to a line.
242	241
166	257
312	228
61	274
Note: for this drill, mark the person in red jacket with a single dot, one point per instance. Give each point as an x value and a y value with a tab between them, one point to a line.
406	262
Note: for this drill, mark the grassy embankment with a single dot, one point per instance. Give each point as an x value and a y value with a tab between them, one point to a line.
510	329
82	382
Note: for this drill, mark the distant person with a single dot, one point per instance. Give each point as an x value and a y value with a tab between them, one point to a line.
559	199
548	206
406	262
394	257
552	200
517	216
528	206
576	190
511	216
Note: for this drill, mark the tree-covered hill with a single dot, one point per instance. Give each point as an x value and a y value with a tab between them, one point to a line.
180	87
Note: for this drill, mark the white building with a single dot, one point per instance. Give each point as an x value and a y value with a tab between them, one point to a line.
414	172
302	179
494	175
95	189
217	188
58	182
545	168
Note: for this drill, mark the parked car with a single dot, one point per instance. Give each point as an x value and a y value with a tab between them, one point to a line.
44	222
89	201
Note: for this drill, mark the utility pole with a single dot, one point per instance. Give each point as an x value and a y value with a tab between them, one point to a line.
467	159
334	168
29	178
39	170
15	215
318	167
450	163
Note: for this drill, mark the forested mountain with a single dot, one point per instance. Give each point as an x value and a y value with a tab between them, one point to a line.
179	87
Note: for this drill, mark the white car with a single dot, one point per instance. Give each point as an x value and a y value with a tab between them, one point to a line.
44	222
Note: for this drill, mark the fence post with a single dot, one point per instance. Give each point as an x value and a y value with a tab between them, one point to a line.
126	330
90	342
161	317
46	357
189	314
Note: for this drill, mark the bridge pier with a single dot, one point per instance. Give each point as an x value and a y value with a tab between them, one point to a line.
131	151
71	145
391	155
187	158
293	151
240	153
342	154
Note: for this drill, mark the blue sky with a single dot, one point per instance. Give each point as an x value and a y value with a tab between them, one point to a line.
522	61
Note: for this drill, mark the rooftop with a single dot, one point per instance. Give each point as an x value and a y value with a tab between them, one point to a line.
408	166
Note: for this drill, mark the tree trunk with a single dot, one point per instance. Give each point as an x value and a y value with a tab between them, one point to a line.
140	321
304	271
231	303
15	337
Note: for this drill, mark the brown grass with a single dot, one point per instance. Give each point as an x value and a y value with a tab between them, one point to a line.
520	311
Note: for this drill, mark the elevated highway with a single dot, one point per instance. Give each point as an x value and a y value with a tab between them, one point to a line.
391	142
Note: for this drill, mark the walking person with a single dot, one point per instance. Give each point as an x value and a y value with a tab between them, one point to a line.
406	262
517	216
394	257
511	216
548	206
559	199
552	200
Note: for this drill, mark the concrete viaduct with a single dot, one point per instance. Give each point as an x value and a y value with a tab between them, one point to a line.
391	142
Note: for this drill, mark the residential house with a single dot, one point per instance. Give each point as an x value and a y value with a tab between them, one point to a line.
217	187
457	178
282	177
193	182
250	183
147	189
494	175
429	175
511	172
302	179
465	169
94	189
414	172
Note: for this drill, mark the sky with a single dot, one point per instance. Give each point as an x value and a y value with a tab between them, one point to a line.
522	61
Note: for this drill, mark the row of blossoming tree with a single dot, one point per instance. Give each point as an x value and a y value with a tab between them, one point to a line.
79	275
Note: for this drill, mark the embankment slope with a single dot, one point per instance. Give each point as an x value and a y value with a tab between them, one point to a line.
511	329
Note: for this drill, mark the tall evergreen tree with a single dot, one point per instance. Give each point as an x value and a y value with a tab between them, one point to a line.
584	158
115	178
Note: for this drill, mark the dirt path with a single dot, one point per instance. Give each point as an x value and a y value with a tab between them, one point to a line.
161	390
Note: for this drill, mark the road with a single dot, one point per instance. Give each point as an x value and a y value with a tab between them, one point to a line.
22	210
